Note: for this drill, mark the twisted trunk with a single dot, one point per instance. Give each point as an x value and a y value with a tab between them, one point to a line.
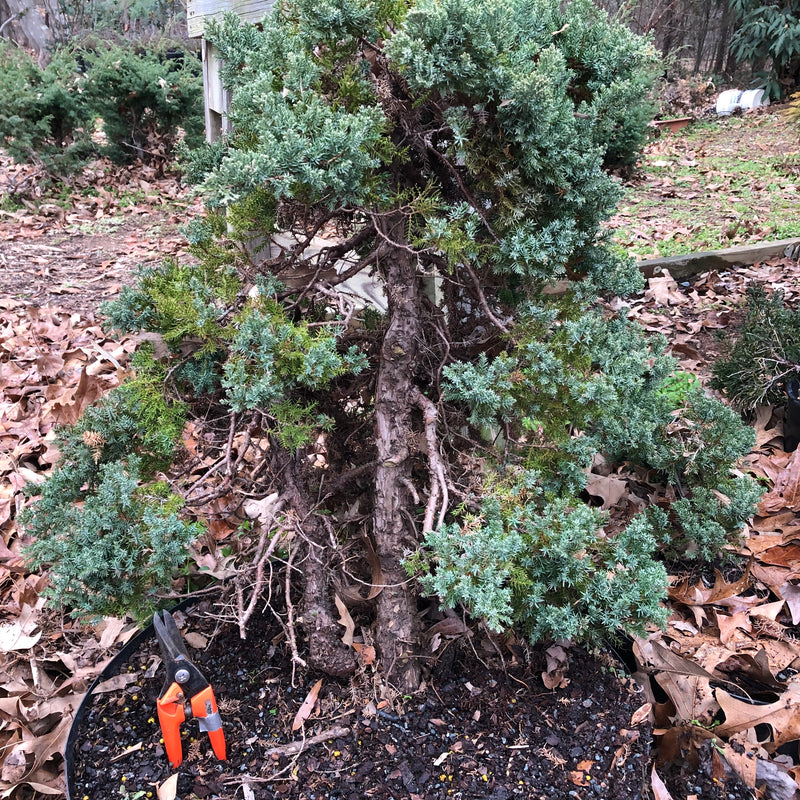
397	624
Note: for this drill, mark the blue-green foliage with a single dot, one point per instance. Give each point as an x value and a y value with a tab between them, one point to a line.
476	134
606	379
255	354
117	550
109	533
550	569
290	140
546	98
269	356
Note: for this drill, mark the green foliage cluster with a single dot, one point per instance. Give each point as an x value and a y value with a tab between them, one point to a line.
142	98
109	532
44	117
764	353
145	97
246	349
768	37
551	570
577	372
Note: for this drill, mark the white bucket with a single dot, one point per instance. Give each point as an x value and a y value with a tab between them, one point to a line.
728	101
753	98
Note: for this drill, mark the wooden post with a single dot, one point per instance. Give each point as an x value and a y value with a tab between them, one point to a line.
216	98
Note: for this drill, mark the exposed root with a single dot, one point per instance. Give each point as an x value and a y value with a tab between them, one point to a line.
436	467
268	542
290	626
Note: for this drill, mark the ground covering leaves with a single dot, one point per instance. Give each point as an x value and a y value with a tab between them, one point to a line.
722	680
719	182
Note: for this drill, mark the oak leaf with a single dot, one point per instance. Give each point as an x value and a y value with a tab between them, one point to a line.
786	491
783	716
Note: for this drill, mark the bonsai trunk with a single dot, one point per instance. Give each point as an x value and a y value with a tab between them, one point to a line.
326	651
397	624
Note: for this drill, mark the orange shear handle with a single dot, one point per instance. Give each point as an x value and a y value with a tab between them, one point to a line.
170	716
204	708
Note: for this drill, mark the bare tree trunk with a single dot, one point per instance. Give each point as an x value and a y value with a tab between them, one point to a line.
31	22
724	38
702	33
397	624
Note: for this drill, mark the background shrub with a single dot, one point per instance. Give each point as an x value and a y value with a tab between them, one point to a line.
763	355
44	116
144	99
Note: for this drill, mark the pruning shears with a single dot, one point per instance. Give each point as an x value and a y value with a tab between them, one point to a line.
184	683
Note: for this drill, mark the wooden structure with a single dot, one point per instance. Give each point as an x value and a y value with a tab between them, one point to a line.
216	98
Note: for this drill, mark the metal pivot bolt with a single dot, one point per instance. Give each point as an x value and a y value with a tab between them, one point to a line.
182	676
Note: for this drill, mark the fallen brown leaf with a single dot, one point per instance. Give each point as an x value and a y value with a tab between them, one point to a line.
783	716
345	620
786	491
304	712
660	791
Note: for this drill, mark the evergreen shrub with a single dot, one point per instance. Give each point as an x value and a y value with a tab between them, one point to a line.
145	100
107	529
763	355
44	116
467	140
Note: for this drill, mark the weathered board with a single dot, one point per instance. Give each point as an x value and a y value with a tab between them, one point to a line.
694	263
198	11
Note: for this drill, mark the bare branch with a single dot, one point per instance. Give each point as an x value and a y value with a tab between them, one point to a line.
290	629
261	557
482	300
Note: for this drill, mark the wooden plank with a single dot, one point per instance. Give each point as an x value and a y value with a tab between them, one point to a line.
198	11
252	10
686	266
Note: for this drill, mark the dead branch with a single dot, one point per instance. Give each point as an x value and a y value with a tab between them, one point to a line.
482	300
290	628
293	748
260	559
229	446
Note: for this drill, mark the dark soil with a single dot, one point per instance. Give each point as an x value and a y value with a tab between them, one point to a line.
471	732
476	730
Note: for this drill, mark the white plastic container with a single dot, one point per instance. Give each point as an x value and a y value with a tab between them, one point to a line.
728	102
753	98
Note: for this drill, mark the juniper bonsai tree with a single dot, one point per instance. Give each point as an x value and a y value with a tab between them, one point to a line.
453	157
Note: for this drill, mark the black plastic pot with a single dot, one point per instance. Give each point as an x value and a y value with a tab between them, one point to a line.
110	669
791	419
